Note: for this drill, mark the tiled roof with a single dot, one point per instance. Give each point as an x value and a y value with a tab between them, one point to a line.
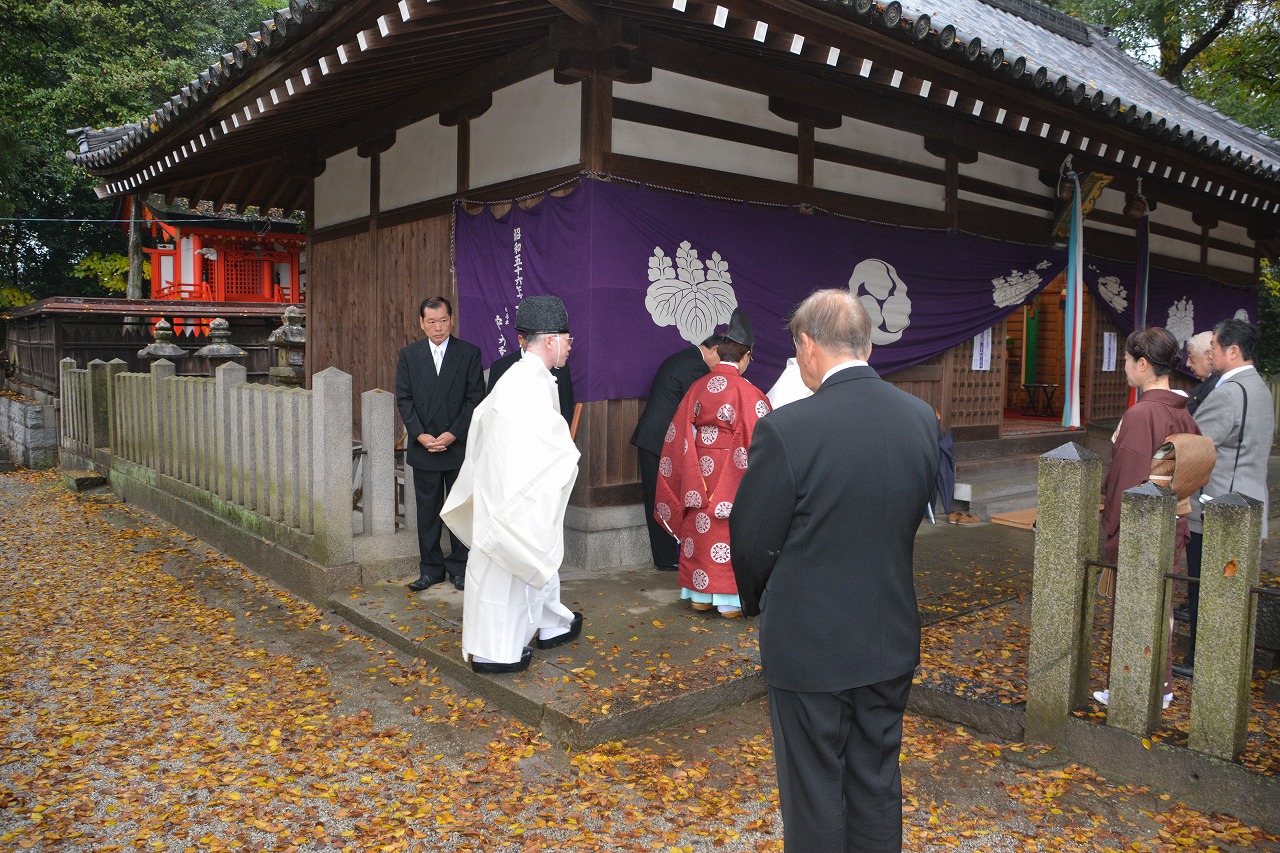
1029	50
1088	57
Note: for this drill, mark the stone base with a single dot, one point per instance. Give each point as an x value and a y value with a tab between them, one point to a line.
29	431
81	481
606	537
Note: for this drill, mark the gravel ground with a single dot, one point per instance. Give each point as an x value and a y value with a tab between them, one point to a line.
155	695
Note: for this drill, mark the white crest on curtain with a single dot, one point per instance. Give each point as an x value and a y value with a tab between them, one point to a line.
1182	320
692	295
883	293
1113	292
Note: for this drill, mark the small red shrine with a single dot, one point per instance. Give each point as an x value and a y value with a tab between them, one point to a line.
213	259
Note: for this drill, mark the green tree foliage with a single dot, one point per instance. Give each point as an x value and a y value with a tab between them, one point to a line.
111	272
1224	52
77	63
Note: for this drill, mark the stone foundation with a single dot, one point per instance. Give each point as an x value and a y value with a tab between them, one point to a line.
606	537
30	427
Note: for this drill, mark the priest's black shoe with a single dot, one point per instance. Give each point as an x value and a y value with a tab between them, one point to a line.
459	583
1184	670
575	631
490	667
423	583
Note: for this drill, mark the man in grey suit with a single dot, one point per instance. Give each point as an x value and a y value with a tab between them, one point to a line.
821	540
438	385
1240	418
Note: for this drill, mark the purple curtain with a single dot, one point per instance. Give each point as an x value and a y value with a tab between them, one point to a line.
1182	303
643	272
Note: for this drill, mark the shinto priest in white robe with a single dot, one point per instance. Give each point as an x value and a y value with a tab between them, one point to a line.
508	505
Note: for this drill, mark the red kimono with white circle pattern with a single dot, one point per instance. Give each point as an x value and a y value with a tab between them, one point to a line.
703	459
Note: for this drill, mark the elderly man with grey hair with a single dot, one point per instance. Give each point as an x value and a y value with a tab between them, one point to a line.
1201	367
821	538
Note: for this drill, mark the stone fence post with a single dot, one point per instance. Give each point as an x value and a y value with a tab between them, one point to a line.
1224	629
378	417
99	405
331	412
1140	631
1069	482
161	369
113	368
226	377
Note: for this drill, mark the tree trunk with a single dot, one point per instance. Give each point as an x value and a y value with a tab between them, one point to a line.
133	288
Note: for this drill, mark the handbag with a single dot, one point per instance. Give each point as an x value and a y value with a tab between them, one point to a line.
1183	463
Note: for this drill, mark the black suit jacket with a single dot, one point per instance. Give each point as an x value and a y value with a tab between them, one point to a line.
673	379
564	381
437	404
823	528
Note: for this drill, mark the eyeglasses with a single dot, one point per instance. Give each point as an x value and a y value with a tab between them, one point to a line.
568	340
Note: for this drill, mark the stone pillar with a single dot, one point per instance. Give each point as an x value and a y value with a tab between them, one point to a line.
114	367
99	405
1224	632
331	458
226	377
1069	482
378	482
1140	634
161	369
66	396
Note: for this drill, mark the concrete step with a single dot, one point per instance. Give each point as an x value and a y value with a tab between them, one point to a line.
1018	445
997	484
645	659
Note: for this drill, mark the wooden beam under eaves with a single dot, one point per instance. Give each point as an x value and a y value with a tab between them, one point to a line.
580	10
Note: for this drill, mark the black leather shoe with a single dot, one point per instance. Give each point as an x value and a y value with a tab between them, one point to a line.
575	631
667	568
498	668
459	583
423	583
1184	670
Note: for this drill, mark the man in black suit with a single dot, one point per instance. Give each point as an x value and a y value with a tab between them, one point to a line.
821	538
564	379
670	383
438	384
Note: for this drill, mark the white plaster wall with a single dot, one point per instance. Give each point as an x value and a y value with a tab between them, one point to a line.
1175	248
675	146
877	185
703	97
1025	210
422	165
533	126
342	192
1007	173
875	139
1174	217
1230	261
166	270
1237	234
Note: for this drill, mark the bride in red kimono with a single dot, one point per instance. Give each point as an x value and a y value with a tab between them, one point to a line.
703	459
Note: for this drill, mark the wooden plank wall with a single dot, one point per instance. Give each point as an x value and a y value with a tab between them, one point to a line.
1105	394
976	396
380	277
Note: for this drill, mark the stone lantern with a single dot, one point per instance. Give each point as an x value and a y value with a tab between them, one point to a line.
220	350
164	347
288	350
